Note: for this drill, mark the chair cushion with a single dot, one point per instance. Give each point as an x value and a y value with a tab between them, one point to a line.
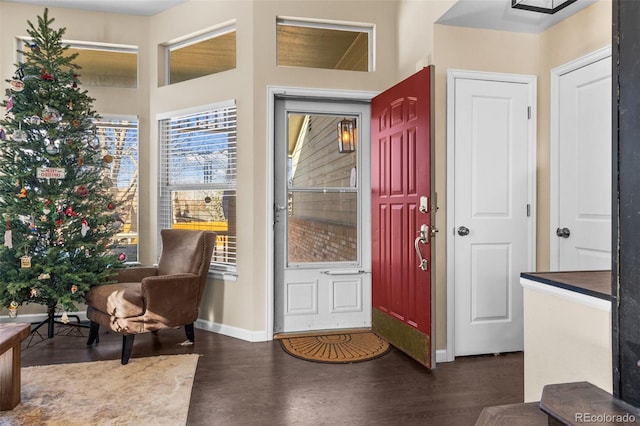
121	300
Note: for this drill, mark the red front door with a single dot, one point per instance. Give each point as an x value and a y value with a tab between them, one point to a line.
402	210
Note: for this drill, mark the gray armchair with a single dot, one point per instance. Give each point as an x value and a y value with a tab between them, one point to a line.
148	299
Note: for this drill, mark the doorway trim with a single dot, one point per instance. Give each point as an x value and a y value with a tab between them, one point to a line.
274	92
452	76
554	137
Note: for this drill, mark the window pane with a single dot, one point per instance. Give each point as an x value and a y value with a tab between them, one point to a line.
209	211
107	68
119	138
314	159
322	227
206	57
307	45
198	176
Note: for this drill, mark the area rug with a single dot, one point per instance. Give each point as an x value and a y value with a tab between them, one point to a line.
336	348
146	391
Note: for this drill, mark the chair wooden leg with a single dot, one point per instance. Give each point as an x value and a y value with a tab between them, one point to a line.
127	347
190	332
93	333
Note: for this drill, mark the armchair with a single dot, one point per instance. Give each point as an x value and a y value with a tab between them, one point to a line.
148	299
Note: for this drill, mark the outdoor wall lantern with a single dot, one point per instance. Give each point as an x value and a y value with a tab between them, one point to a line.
542	6
347	135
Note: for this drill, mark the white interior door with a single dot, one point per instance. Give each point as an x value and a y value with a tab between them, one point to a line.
491	205
581	164
322	271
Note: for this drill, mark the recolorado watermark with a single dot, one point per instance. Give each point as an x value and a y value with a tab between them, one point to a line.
604	418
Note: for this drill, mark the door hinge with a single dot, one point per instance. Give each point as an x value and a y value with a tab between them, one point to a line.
529	112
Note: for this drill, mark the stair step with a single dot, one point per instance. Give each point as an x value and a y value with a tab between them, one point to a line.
526	414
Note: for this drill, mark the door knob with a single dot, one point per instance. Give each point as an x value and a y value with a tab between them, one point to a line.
463	230
563	233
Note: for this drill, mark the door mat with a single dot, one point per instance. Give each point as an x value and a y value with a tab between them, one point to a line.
336	348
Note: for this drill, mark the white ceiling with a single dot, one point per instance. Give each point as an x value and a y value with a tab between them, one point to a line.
127	7
487	14
499	15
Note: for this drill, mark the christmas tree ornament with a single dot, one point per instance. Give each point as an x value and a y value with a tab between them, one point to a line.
74	289
82	191
35	47
93	142
34	120
69	212
16	85
84	227
44	276
44	74
122	257
23	193
13	309
46	206
25	262
8	238
111	206
20	73
64	318
50	115
3	134
19	135
108	158
34	292
9	106
52	148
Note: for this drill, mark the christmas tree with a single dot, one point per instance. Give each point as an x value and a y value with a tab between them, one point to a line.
55	196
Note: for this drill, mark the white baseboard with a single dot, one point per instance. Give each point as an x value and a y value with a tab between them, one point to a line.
227	330
441	356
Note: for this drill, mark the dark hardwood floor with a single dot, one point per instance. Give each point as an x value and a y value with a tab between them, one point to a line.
242	383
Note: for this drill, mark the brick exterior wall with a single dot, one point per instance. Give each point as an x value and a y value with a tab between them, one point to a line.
319	241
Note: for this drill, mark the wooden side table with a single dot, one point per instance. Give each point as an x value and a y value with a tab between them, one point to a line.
11	336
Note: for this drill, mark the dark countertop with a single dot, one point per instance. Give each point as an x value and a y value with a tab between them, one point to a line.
590	283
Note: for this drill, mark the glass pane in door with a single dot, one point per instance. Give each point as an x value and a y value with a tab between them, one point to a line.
322	206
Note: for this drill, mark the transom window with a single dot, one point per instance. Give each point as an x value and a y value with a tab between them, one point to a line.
199	55
326	45
101	64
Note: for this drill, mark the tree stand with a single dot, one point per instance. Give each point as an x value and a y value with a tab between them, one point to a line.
51	320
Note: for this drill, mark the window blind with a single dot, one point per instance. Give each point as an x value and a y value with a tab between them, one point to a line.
198	164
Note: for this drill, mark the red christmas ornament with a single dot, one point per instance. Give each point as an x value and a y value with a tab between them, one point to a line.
69	212
111	206
122	257
82	191
45	75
